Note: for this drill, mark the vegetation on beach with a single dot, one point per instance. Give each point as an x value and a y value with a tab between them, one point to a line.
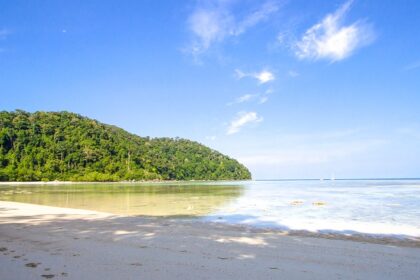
47	146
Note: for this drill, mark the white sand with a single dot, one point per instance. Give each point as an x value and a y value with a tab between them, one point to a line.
77	244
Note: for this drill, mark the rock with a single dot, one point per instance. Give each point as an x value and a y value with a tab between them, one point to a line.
319	203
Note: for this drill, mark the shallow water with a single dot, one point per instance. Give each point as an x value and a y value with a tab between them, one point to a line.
390	207
128	199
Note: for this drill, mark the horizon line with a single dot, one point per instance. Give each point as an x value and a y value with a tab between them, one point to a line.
340	179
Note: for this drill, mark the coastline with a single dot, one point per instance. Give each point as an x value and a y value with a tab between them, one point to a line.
388	234
85	182
112	182
61	241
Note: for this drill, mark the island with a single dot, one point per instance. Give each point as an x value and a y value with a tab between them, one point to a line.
64	146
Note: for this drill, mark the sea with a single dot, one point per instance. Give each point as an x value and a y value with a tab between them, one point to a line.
377	207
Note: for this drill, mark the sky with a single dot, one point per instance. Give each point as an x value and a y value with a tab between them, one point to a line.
292	89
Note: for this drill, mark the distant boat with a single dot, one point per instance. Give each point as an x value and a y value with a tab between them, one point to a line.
332	177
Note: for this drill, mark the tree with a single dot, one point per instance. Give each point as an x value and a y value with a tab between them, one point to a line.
67	146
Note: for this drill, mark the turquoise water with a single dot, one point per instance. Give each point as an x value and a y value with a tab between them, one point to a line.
389	207
135	199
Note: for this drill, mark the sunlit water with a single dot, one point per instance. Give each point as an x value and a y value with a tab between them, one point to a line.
390	207
128	199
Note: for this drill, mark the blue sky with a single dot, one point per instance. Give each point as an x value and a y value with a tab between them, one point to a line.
293	89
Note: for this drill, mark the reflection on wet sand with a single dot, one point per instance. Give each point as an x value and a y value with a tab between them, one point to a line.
141	199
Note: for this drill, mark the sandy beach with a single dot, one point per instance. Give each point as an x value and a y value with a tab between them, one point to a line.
42	242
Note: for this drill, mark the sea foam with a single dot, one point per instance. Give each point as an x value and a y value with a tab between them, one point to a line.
376	207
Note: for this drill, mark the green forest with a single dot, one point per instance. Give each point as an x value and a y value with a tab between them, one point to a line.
48	146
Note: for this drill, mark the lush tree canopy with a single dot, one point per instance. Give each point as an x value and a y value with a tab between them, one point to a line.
65	146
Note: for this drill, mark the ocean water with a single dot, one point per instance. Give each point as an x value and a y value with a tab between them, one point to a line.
133	199
376	207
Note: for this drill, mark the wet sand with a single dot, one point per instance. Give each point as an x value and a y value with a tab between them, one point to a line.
42	242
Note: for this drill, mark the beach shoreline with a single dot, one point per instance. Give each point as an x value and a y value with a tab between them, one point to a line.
17	183
82	244
331	229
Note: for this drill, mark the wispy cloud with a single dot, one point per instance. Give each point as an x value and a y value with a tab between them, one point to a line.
263	76
264	97
242	119
261	97
213	22
243	98
293	74
330	39
255	17
208	26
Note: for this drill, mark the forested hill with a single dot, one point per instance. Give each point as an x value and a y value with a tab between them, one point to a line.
66	146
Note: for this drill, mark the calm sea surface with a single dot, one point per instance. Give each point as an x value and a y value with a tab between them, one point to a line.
390	207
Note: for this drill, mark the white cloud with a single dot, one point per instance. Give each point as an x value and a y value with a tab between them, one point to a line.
242	119
208	26
214	22
239	74
285	39
243	98
263	76
263	99
264	96
330	39
256	17
269	91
